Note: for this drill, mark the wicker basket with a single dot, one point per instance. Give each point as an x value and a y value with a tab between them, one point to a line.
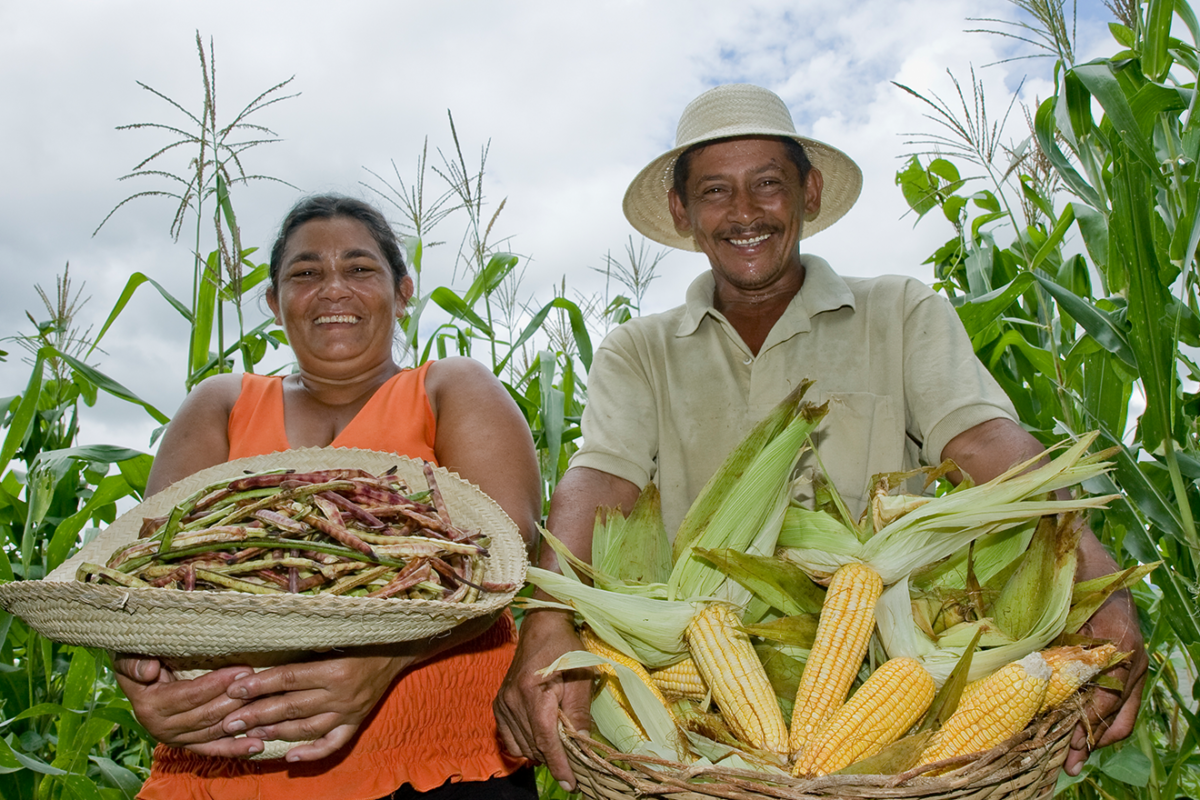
1023	768
170	622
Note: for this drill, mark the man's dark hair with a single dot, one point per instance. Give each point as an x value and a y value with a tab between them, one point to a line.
332	206
683	164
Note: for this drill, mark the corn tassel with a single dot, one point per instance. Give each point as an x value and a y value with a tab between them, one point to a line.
1073	667
739	684
681	679
992	709
843	632
889	703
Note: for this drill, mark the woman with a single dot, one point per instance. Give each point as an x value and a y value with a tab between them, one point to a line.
406	718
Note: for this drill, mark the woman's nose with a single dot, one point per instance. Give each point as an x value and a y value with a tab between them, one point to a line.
334	286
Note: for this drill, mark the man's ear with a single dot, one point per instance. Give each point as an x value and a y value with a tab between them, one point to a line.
683	225
813	185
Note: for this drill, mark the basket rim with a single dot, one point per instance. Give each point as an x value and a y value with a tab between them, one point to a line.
57	604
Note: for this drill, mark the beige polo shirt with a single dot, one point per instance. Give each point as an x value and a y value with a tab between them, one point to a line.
671	394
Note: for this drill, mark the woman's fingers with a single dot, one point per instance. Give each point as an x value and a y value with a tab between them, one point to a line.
182	712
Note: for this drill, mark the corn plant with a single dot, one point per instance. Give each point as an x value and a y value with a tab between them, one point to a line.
537	351
203	200
1100	336
65	730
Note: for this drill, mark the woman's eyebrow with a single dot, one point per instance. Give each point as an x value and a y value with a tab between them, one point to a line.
312	255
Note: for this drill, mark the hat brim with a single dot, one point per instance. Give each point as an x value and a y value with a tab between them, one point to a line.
646	206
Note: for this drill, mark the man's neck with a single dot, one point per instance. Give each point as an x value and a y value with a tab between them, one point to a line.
754	313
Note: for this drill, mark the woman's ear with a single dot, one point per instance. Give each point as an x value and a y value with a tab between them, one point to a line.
404	293
273	304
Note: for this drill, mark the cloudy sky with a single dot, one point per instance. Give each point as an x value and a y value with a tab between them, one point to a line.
574	99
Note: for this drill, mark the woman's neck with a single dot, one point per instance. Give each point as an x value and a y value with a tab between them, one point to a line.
337	391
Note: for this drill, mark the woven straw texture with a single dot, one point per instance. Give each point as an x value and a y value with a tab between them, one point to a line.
1023	768
169	622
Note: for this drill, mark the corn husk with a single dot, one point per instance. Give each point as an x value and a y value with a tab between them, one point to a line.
633	549
751	510
653	718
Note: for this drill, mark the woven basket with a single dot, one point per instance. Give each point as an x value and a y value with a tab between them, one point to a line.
1022	768
171	622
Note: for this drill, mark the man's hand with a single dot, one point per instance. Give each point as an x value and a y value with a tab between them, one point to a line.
1112	714
184	713
528	704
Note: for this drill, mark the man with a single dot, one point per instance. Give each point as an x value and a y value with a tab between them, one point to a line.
671	394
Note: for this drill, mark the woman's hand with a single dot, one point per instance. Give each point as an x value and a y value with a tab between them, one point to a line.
323	702
184	713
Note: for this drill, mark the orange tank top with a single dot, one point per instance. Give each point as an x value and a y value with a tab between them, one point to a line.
434	724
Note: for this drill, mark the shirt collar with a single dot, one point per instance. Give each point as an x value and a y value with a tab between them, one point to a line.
823	290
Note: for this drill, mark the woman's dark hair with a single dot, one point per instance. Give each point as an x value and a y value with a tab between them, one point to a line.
683	164
330	206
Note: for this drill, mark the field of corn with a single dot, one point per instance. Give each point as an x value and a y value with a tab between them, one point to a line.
1071	258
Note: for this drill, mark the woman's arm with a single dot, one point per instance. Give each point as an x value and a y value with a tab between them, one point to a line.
188	713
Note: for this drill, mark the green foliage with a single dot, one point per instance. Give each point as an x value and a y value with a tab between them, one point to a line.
1101	339
66	730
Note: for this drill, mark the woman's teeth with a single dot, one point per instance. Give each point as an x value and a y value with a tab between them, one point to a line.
337	318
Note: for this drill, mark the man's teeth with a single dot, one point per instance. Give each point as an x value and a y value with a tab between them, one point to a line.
750	242
337	318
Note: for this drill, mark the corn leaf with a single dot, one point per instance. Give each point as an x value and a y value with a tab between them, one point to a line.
1088	596
780	584
899	756
798	630
783	671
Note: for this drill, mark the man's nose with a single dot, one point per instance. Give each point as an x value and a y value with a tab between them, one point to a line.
744	207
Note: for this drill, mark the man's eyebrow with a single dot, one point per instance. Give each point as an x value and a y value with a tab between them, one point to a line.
773	165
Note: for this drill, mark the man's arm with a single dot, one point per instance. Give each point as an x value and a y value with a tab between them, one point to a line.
527	706
989	449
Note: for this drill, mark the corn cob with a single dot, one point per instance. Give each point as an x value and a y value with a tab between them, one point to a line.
739	684
681	679
992	709
1073	667
594	644
884	707
844	629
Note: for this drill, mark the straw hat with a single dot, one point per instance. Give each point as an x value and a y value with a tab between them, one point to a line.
736	109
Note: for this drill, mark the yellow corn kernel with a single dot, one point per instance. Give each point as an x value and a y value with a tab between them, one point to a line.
843	632
739	684
681	679
1073	667
594	644
996	708
890	702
